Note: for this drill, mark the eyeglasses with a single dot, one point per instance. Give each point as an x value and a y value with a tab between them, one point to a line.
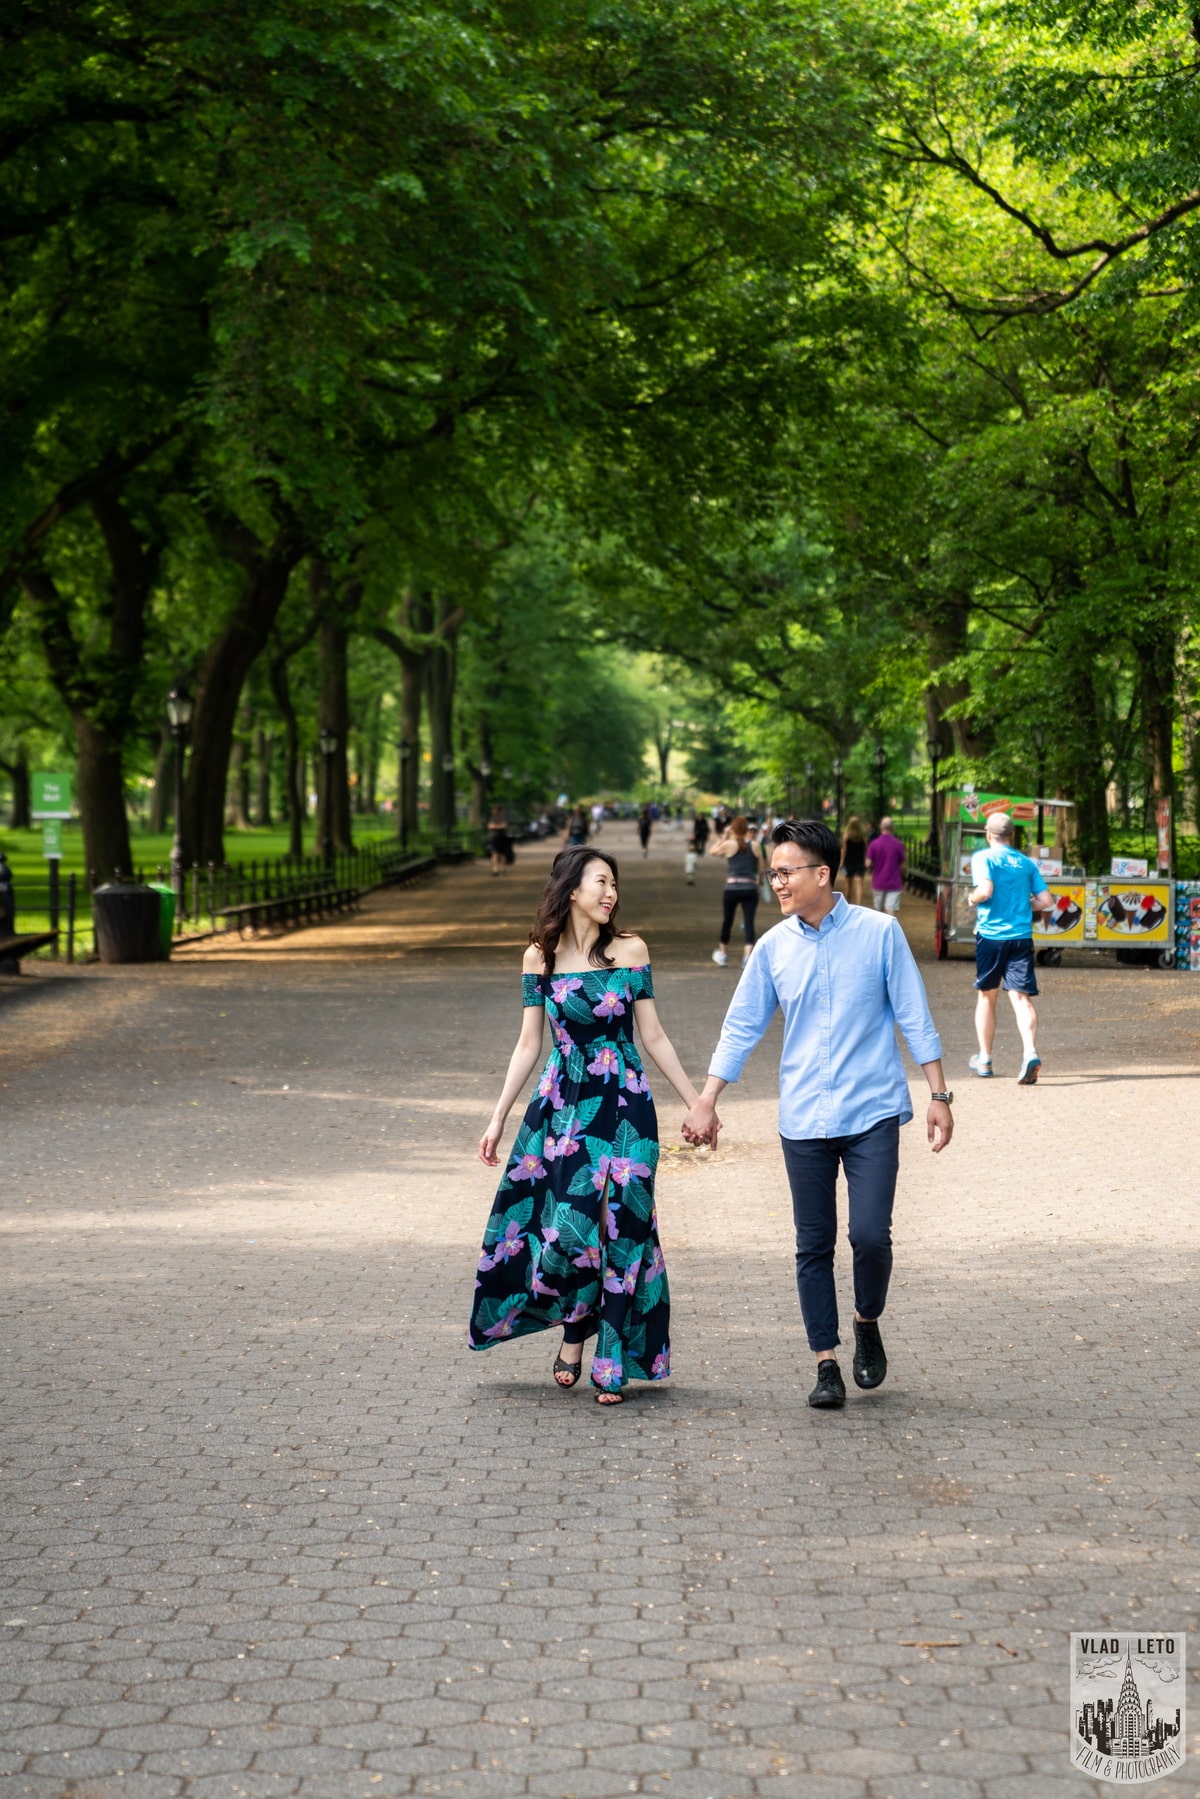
777	875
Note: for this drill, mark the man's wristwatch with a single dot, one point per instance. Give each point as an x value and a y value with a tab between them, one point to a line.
947	1098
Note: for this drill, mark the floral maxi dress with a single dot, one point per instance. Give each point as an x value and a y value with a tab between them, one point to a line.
588	1144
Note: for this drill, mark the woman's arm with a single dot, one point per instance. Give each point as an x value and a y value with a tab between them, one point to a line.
661	1050
721	846
522	1062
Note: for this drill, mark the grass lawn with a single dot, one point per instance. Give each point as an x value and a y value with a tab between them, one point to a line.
31	877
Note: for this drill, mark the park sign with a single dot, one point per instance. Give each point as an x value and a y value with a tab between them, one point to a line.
51	796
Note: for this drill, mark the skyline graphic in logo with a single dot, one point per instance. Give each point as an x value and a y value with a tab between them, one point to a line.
1128	1705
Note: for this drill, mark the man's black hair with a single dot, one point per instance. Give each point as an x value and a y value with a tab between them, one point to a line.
815	839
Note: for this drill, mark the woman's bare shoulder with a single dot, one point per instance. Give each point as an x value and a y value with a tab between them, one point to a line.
630	951
533	962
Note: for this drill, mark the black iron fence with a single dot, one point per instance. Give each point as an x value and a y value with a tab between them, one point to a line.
232	895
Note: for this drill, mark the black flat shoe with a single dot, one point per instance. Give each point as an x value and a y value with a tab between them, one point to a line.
830	1390
574	1369
870	1363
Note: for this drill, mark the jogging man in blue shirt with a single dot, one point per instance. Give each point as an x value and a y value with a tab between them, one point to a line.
844	978
1008	889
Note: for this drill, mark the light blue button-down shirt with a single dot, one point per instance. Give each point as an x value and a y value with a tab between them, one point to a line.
843	989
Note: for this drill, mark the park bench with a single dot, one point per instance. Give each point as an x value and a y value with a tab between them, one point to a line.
302	907
12	948
404	873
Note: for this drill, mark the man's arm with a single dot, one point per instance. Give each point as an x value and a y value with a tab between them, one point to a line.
750	1012
906	990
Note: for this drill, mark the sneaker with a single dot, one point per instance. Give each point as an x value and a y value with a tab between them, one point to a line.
830	1390
870	1362
720	958
982	1066
1029	1071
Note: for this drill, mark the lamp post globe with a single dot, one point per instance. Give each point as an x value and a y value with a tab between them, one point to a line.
180	707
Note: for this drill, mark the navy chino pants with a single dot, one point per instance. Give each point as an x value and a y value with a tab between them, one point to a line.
871	1160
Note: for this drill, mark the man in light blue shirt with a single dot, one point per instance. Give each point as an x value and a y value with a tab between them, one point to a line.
1008	889
844	977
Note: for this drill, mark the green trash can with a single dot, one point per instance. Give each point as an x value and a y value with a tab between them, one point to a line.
166	917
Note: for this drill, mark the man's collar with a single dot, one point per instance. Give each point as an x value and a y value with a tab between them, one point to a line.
836	915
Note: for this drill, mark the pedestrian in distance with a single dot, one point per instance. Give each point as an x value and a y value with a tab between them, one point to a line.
645	825
743	872
1008	889
854	859
577	827
500	850
700	830
597	818
844	978
572	1238
885	859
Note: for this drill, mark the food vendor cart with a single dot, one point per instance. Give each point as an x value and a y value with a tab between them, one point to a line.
1118	911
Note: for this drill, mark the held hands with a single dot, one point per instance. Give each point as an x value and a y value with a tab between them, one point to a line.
939	1124
701	1126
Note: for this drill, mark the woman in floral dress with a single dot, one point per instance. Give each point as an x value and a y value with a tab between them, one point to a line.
573	1238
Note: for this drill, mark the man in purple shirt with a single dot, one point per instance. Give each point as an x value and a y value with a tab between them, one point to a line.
885	859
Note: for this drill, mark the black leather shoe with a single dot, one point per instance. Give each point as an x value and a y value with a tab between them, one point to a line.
830	1389
870	1363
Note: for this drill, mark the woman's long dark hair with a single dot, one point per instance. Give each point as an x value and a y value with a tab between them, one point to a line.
554	907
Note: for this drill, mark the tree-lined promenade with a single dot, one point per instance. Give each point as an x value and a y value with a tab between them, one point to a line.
272	1529
500	391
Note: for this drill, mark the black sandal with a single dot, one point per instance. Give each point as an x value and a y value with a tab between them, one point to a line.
574	1369
606	1397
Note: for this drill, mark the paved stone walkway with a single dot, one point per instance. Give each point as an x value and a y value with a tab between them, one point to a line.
270	1530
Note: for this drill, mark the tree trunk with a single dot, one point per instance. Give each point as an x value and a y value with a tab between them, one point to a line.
409	747
18	773
100	778
293	775
333	639
440	674
947	627
1080	758
226	664
161	798
97	677
239	778
1156	657
264	748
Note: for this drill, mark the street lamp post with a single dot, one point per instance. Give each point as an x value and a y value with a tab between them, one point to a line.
1037	736
879	763
405	756
934	747
809	772
179	716
837	790
787	793
327	742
